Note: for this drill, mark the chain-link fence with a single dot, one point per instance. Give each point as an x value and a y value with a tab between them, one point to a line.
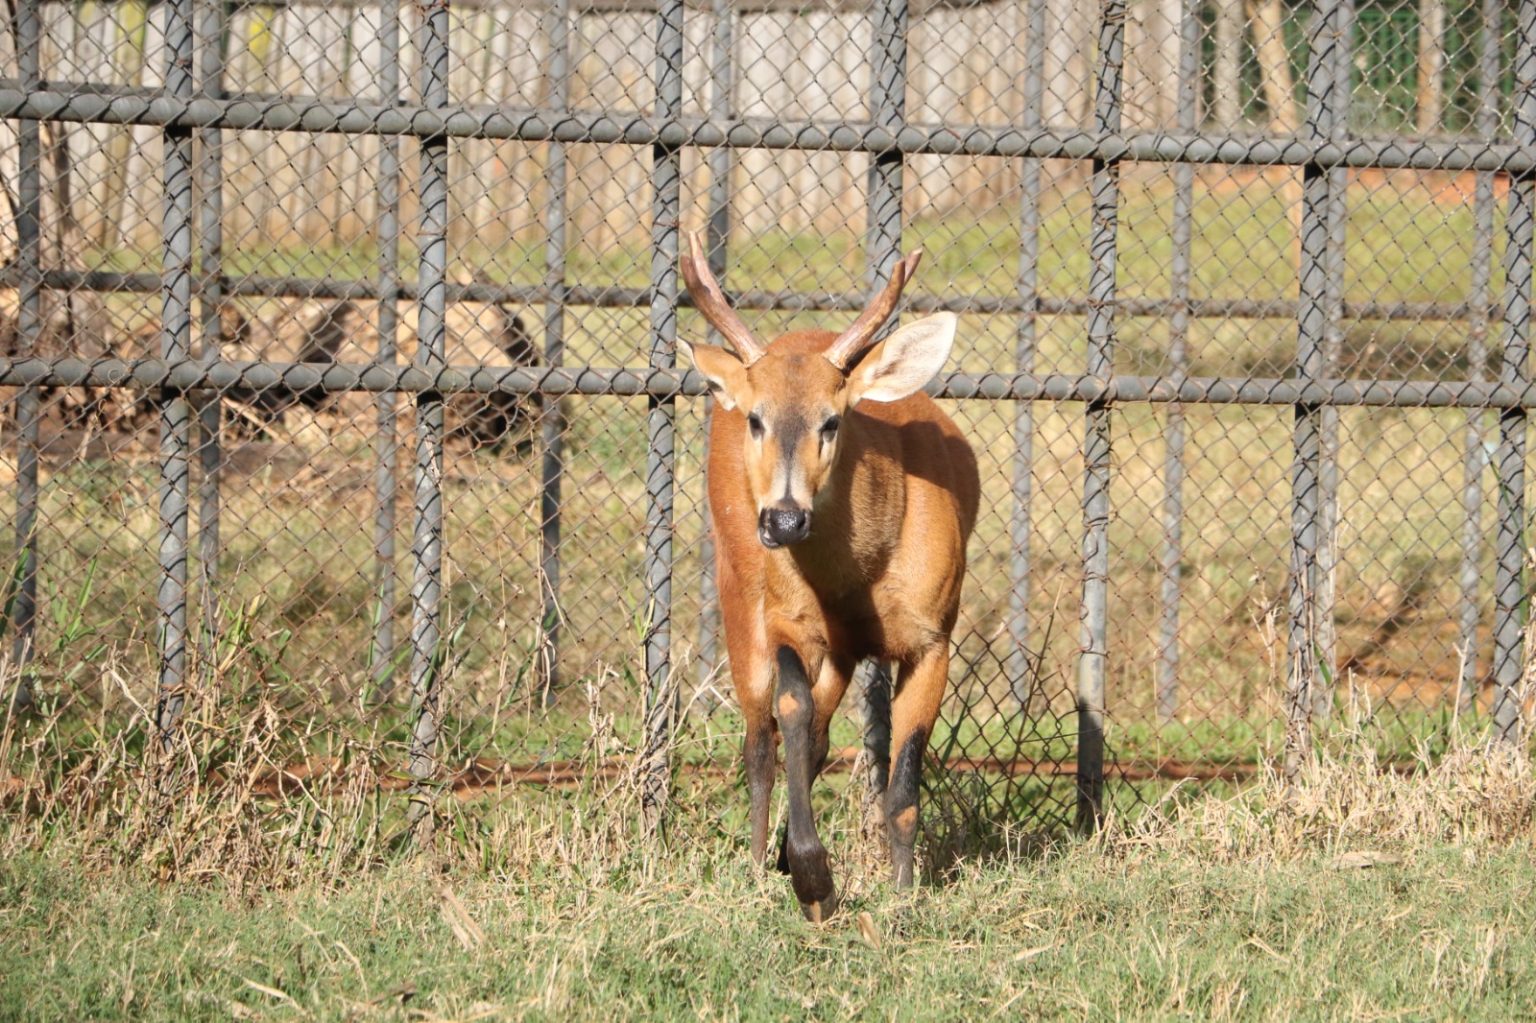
339	361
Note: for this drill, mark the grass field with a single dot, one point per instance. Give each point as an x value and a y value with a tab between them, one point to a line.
1354	894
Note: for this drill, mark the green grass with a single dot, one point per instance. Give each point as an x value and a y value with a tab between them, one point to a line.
1081	932
133	886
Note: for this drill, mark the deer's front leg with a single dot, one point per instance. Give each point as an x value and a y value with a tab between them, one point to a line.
795	709
752	676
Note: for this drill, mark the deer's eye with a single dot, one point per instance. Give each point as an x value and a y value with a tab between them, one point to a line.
755	424
829	428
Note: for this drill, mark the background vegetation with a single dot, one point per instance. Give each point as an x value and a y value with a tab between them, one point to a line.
1358	892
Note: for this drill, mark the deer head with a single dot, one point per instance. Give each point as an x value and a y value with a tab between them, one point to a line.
797	397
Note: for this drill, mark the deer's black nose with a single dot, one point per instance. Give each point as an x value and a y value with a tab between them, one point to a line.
782	526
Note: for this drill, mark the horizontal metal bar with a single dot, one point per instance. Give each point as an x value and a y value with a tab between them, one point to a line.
504	123
190	375
762	301
643	6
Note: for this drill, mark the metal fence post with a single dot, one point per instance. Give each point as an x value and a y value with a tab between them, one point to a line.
175	413
717	238
1333	344
385	447
210	293
1306	659
1172	560
1020	665
1509	575
660	469
29	330
431	354
552	419
1093	621
872	687
888	76
1475	456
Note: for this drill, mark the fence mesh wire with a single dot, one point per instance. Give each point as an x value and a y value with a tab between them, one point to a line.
313	244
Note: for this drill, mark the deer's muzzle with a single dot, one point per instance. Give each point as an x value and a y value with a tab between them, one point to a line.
781	525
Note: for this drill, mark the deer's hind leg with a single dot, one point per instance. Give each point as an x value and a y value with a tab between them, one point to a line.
826	694
919	691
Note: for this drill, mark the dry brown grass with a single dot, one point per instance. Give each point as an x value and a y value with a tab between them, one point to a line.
254	799
1347	800
1213	908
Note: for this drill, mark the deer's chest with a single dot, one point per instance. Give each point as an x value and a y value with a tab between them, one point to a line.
880	620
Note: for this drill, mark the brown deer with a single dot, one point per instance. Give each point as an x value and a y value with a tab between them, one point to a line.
842	499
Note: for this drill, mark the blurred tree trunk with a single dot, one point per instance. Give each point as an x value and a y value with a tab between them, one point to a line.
326	158
251	177
133	32
1160	109
69	235
1266	19
1227	72
1066	92
1431	76
68	246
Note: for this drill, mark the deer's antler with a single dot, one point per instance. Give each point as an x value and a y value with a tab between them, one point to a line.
853	341
710	300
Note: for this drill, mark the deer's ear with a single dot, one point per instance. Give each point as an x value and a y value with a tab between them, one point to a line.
902	363
725	374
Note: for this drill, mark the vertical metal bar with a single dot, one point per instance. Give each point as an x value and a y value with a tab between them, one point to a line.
431	354
1094	615
1475	457
29	329
888	72
1312	326
552	421
888	108
717	235
1333	344
872	684
1021	675
175	411
660	469
1509	578
385	449
1172	559
210	181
